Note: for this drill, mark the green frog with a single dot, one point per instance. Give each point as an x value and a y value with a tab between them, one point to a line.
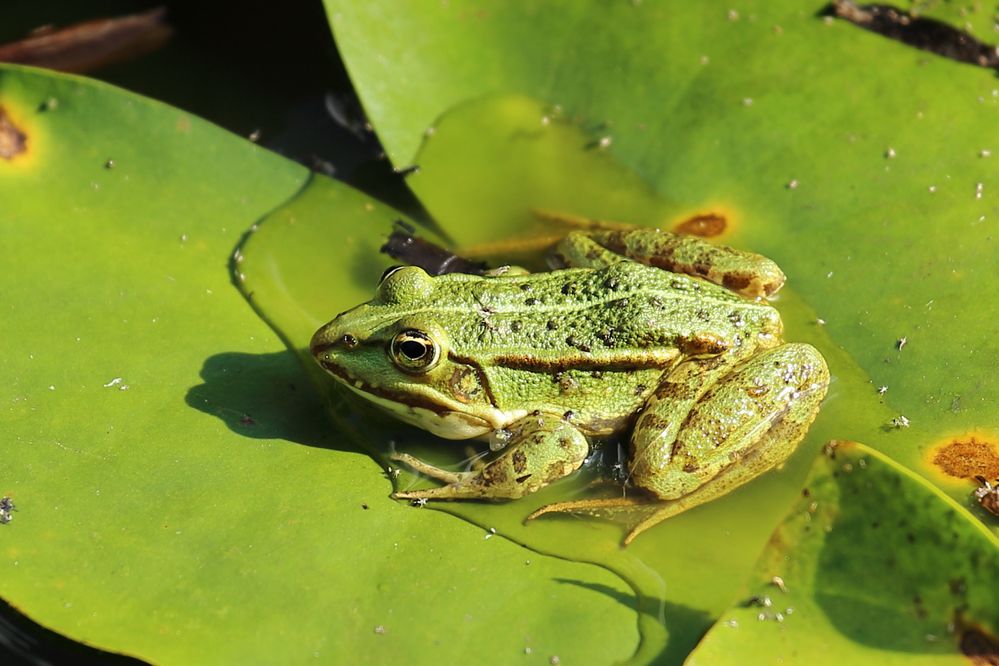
665	337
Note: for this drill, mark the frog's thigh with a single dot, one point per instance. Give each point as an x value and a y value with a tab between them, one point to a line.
748	422
542	449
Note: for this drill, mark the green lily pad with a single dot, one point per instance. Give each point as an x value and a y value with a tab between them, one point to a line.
285	271
180	495
871	564
861	165
247	510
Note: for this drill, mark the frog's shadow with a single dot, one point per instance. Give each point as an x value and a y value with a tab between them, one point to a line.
265	396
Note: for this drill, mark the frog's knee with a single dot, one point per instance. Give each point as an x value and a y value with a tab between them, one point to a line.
800	365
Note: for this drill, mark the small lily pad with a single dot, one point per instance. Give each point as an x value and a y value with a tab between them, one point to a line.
872	565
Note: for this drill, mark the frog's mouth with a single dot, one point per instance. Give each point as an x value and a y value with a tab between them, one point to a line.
444	418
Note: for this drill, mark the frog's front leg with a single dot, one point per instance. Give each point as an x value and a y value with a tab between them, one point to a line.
697	441
541	449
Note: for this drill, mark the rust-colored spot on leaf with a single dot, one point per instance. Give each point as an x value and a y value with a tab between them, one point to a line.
13	141
966	457
705	224
980	648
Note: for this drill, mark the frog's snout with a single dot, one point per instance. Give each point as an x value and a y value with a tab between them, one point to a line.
329	338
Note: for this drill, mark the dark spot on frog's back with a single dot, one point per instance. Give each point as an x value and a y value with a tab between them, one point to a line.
13	141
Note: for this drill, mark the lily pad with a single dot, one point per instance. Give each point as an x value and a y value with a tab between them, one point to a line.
247	511
861	165
180	494
871	564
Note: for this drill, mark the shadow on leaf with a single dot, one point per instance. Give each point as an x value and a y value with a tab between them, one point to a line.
265	396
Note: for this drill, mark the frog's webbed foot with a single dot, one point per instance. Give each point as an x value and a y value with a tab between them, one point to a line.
542	449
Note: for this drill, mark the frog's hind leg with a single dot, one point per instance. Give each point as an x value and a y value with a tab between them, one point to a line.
747	423
698	440
542	449
745	273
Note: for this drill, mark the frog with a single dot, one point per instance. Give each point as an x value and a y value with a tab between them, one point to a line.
666	339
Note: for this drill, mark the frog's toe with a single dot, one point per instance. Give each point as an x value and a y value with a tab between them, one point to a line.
592	507
426	468
649	512
440	493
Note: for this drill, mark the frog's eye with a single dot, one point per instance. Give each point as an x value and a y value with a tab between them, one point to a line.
388	272
414	351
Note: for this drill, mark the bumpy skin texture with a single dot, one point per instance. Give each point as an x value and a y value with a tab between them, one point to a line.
699	373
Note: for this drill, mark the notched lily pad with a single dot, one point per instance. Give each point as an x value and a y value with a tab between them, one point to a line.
871	560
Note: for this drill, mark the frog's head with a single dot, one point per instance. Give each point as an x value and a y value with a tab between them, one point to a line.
396	352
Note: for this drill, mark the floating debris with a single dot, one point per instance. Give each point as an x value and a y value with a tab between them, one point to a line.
6	510
922	33
987	495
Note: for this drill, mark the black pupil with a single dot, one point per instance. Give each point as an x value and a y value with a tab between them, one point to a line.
414	350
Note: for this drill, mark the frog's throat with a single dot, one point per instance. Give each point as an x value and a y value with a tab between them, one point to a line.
447	421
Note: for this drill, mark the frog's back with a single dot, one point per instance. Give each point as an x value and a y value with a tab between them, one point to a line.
592	316
594	342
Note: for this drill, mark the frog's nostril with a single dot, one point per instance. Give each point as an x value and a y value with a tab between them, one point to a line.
322	342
